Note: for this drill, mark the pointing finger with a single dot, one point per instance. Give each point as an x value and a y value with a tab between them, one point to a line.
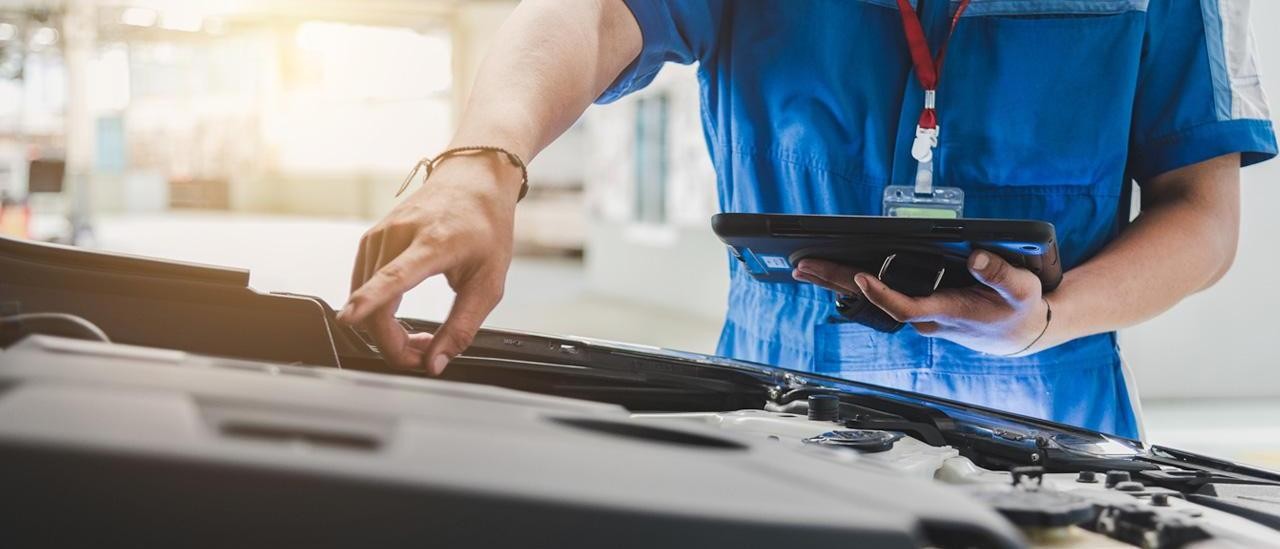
373	256
357	270
390	282
899	306
802	276
832	275
904	308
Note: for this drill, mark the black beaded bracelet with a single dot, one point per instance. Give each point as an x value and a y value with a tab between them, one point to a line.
429	164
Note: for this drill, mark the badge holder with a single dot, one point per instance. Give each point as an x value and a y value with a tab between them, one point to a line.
923	199
939	203
911	273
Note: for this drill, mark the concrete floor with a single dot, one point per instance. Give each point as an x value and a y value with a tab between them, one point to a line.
548	294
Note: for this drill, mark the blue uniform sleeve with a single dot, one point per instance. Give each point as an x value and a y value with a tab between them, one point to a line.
682	31
1198	94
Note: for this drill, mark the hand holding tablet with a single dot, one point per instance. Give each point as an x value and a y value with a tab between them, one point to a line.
910	255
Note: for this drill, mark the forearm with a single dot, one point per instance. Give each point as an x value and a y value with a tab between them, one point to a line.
553	58
1183	242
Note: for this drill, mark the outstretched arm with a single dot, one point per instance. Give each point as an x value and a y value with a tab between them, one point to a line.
552	59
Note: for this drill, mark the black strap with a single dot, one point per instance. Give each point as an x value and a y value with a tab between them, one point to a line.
913	274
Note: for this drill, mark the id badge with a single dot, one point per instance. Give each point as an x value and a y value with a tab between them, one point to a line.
937	203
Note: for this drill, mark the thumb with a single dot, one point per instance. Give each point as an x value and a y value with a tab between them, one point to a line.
1012	283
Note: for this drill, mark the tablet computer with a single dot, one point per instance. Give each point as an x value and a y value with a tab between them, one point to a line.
770	245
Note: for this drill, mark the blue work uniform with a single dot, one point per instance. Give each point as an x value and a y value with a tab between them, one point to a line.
1048	110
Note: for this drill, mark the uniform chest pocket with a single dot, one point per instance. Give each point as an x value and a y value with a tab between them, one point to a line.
1051	8
1040	93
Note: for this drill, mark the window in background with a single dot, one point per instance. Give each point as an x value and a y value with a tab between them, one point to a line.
109	72
32	101
191	107
651	159
384	94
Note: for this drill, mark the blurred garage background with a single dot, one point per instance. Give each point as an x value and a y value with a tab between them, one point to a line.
268	134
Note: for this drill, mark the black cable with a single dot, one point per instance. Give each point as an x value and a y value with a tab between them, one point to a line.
80	322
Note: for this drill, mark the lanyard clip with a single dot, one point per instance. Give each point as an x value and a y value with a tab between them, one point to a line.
922	151
922	147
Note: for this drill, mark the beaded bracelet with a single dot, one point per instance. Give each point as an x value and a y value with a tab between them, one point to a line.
429	164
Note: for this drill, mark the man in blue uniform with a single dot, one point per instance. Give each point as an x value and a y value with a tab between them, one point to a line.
1042	110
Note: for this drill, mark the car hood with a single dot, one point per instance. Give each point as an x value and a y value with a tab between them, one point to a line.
210	315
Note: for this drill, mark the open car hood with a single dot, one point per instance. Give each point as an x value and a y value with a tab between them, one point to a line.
211	312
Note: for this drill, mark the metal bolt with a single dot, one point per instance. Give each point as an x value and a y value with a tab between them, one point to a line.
1116	477
1130	486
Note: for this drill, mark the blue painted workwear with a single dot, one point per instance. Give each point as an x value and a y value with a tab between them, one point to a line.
1049	109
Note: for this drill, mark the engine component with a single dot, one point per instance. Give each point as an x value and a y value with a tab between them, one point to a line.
862	440
1130	486
927	433
1033	472
1260	504
1037	508
824	408
1116	477
1145	527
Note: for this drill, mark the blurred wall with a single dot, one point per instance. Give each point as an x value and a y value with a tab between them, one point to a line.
319	113
677	263
1219	343
346	112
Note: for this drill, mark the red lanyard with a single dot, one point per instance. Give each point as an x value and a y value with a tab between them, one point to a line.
928	69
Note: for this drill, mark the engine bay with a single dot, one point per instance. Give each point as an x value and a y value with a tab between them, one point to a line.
218	414
1084	509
